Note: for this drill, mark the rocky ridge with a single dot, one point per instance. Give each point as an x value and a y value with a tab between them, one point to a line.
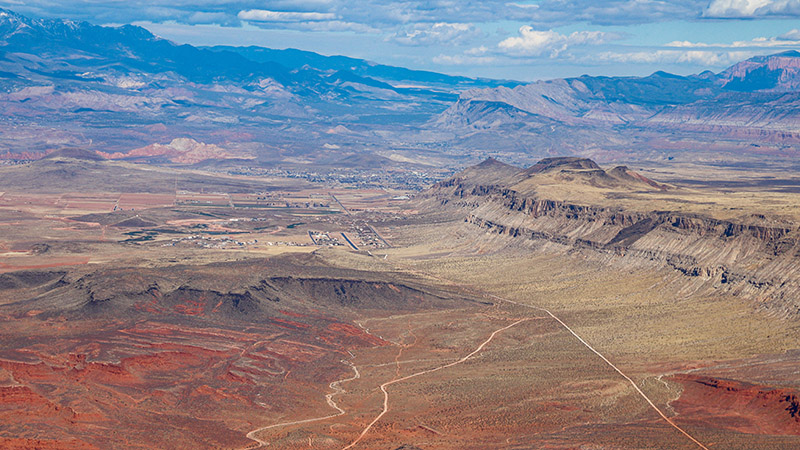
755	257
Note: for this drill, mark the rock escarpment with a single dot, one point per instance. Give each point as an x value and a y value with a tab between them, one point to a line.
755	256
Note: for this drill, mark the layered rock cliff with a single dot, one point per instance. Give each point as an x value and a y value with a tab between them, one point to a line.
755	256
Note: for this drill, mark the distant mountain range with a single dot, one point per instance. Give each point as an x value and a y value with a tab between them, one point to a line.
116	89
130	49
65	83
753	105
659	98
298	59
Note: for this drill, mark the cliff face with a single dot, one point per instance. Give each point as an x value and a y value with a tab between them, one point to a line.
771	113
755	257
773	73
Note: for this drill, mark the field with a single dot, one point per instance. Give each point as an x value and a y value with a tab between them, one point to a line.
141	201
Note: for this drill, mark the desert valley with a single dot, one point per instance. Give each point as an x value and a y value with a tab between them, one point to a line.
241	248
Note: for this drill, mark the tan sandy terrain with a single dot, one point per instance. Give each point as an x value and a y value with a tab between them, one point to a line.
185	324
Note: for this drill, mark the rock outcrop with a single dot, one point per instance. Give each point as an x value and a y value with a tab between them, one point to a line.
735	405
756	257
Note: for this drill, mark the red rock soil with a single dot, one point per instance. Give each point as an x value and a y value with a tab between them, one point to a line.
738	406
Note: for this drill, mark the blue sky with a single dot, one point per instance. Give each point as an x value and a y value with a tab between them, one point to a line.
514	39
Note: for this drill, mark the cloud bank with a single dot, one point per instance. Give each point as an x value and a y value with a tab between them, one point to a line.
532	42
440	33
737	9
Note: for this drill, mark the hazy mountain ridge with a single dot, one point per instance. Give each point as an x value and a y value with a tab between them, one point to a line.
296	59
74	46
73	84
84	78
758	92
749	111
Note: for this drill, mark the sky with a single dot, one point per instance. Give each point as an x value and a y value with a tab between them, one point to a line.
507	39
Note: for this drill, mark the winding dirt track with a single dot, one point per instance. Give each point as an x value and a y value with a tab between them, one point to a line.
407	377
329	398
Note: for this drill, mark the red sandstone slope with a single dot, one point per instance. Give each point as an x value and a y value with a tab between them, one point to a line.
739	406
179	151
193	356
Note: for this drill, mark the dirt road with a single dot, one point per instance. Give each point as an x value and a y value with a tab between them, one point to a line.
423	372
582	341
335	385
610	364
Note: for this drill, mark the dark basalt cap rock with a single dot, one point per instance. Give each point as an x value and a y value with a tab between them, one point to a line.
562	162
491	162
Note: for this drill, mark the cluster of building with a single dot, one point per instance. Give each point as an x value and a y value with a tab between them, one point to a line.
209	242
358	178
369	236
227	242
324	238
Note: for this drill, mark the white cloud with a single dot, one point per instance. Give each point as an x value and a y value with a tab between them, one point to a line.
335	25
703	53
300	5
263	15
694	57
436	33
477	51
752	8
532	42
788	40
553	13
524	5
687	44
198	18
463	60
307	21
793	35
734	8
